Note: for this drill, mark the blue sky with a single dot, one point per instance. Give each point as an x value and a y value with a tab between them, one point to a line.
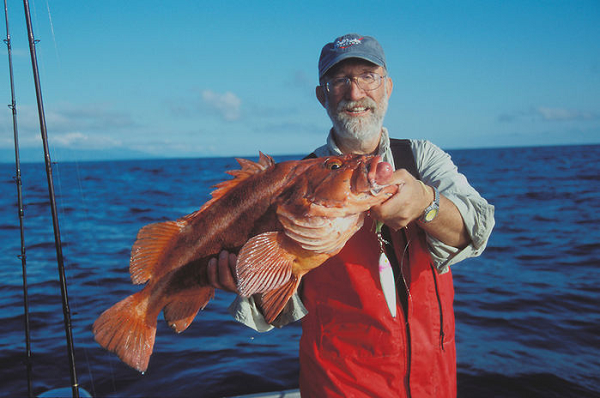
210	78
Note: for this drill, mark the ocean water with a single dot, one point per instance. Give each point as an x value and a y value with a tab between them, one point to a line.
527	310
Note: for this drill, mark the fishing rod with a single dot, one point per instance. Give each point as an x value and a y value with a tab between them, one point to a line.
59	254
23	256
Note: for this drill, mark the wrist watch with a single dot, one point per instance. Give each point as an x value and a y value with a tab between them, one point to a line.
431	212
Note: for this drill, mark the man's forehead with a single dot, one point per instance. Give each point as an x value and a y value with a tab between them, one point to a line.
352	63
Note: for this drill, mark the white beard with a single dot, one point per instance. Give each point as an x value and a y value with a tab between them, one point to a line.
355	131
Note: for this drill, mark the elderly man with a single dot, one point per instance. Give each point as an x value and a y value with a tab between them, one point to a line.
354	341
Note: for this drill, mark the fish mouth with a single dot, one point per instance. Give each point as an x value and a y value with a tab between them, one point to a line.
377	173
376	188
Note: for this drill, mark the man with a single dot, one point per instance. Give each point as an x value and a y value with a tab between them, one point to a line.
352	345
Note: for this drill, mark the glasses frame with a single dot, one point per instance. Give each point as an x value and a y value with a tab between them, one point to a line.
348	82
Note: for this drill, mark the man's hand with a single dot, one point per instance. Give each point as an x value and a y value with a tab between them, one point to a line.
407	204
221	272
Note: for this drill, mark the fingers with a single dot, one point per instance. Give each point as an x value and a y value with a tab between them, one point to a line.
221	271
405	205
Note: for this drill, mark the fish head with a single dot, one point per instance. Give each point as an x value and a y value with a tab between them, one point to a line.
330	197
342	185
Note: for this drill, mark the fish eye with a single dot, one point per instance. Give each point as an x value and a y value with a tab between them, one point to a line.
333	164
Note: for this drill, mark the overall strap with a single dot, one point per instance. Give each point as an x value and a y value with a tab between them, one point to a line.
403	159
403	156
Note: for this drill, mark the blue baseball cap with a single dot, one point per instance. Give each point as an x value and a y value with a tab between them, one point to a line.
350	46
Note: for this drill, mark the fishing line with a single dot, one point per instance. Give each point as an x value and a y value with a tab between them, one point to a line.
56	154
23	255
55	224
52	30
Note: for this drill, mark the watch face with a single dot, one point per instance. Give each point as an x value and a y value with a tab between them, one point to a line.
430	215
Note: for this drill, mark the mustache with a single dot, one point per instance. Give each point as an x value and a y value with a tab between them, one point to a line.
366	102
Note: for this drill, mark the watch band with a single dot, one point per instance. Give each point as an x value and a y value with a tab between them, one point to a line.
431	212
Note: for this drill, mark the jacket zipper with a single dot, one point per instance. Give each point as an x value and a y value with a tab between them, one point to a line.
439	300
400	270
408	308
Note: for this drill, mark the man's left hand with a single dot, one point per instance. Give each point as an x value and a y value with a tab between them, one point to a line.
407	204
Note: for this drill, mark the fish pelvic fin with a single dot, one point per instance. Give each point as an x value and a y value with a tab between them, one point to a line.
263	264
274	301
128	331
183	308
149	247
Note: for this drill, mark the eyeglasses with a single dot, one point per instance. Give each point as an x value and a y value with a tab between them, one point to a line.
366	82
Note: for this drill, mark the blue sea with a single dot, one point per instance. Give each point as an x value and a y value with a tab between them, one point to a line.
527	310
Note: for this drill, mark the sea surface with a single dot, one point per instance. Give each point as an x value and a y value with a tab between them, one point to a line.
527	310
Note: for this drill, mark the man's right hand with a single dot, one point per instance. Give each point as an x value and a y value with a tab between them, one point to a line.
221	271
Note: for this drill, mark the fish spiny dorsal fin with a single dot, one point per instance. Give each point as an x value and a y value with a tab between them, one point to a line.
150	246
249	168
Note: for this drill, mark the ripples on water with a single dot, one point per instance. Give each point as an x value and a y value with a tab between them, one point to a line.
528	318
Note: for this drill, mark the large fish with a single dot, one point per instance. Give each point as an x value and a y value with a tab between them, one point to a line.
284	219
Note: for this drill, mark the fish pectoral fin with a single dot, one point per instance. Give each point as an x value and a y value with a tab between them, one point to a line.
149	246
274	301
264	263
182	309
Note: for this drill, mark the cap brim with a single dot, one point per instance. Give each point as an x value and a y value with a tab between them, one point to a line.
343	57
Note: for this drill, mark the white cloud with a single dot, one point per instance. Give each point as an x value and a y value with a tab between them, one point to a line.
93	116
549	114
227	105
78	140
560	114
81	126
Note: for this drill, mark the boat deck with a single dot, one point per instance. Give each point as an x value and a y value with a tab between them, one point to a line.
275	394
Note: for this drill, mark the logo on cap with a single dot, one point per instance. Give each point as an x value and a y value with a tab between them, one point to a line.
345	42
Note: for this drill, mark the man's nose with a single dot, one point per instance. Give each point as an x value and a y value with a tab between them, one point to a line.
354	92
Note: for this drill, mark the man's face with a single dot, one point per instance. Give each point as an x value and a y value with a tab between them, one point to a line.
356	113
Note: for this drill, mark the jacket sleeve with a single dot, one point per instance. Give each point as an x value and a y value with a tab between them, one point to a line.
245	310
436	168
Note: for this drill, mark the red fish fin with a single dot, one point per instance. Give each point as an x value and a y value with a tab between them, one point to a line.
128	331
180	312
263	264
249	168
274	301
149	246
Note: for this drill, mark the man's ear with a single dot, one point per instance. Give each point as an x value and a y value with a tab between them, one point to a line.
390	86
321	95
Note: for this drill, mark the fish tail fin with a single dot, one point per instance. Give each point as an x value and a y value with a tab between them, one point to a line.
150	245
274	301
182	309
128	330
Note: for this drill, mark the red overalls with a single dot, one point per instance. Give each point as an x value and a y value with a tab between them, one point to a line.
352	347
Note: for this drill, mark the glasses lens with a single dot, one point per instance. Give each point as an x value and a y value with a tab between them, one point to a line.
369	81
337	85
366	82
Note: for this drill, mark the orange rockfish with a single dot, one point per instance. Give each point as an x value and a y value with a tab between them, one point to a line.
282	219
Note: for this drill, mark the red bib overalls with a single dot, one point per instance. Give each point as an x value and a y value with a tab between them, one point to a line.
351	346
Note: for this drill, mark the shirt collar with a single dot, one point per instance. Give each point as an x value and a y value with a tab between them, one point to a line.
383	150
